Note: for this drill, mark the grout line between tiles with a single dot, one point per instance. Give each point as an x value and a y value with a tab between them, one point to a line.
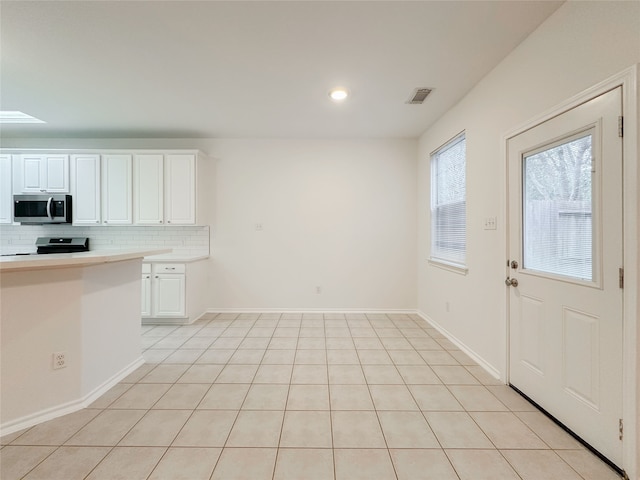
386	330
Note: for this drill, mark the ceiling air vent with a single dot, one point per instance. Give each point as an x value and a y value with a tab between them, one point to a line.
418	96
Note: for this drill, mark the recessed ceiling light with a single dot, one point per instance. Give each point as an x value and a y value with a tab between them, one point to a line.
18	117
338	94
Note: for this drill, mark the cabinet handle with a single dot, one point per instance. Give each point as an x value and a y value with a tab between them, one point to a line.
156	276
97	221
168	221
170	268
160	221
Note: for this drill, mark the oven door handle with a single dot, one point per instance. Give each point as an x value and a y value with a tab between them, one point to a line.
49	214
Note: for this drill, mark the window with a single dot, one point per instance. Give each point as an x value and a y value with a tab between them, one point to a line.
558	231
448	203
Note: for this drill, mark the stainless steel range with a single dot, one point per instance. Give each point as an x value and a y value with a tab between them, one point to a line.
58	245
62	244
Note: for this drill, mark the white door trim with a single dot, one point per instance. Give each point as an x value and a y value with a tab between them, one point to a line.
628	79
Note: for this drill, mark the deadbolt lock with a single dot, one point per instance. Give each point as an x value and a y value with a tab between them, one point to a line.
514	264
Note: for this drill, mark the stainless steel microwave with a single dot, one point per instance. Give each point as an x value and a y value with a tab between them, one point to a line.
41	209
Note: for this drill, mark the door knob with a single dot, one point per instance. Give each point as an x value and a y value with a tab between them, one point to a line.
511	282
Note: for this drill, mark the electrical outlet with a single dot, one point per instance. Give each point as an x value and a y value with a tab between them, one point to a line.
59	360
318	290
259	227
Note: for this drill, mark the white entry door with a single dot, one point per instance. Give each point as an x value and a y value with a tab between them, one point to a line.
565	255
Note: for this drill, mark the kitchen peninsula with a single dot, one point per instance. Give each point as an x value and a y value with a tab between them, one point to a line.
69	330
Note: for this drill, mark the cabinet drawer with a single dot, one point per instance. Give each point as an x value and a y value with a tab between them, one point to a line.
146	268
169	268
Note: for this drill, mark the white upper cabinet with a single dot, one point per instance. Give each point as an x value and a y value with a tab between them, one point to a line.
85	189
164	189
114	187
148	181
180	189
42	173
33	173
6	195
117	204
57	173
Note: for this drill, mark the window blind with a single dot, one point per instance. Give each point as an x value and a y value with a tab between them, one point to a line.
448	202
558	209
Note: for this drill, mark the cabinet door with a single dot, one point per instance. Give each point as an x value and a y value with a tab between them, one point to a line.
33	178
146	295
85	189
44	173
180	189
56	173
6	196
169	295
117	206
148	188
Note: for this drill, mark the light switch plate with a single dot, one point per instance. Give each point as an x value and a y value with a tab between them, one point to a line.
490	223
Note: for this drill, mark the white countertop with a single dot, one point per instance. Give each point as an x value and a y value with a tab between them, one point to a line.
174	258
79	259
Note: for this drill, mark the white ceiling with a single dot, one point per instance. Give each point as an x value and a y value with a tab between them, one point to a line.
248	69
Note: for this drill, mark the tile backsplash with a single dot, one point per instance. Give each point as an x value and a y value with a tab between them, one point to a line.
183	240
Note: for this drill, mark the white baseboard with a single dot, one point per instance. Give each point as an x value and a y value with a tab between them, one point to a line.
462	346
68	407
407	311
166	321
111	382
85	401
172	320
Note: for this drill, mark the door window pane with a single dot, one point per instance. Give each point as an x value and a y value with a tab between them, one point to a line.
558	209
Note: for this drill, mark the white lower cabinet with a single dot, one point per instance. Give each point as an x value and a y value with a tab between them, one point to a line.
164	290
168	295
173	293
146	290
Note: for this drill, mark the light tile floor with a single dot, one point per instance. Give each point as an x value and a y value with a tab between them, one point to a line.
302	397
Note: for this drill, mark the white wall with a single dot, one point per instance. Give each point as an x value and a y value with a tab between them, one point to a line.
336	214
339	214
575	48
66	310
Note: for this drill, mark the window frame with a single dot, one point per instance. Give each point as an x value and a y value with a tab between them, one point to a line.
437	257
